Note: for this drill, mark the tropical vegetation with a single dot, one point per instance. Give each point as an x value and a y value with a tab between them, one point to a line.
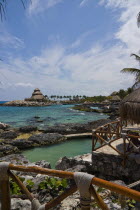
134	71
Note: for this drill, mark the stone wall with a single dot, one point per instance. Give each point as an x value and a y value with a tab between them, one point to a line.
104	166
111	167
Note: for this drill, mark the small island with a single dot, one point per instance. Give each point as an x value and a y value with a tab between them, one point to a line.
37	99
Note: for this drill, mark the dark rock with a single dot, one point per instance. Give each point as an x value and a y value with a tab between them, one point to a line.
43	164
27	129
72	128
7	150
4	126
22	143
39	121
36	117
46	139
9	135
16	159
74	164
78	168
97	123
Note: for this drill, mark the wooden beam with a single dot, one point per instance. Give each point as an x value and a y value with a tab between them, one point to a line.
61	197
21	185
5	195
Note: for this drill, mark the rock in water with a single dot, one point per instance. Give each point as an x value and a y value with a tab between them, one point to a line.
9	135
4	126
46	139
27	129
22	143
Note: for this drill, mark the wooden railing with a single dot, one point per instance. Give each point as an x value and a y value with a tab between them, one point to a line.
106	134
5	189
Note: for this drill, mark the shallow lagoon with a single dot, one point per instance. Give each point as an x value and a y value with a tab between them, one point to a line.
53	153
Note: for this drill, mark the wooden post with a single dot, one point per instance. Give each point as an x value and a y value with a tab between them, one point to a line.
93	136
21	185
98	199
61	197
124	148
5	195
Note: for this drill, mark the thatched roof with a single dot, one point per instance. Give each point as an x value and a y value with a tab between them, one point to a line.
130	107
113	94
115	98
37	95
106	101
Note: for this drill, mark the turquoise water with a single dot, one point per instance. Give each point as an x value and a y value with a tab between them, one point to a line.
50	115
53	153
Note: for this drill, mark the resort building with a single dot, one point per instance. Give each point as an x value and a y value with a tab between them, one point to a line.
36	96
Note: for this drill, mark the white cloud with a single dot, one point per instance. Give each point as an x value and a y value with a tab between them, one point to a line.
55	70
58	70
83	3
38	6
24	84
10	41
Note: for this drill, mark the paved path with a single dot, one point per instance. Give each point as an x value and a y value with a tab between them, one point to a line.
118	144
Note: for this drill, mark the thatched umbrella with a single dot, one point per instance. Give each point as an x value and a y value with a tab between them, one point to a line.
130	107
115	98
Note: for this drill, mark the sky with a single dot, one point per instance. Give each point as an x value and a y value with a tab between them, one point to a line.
67	47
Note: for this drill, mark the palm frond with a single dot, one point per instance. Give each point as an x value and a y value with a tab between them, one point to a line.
136	56
131	71
2	10
138	19
136	85
3	6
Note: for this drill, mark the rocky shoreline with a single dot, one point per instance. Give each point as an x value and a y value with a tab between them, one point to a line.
16	140
27	103
111	110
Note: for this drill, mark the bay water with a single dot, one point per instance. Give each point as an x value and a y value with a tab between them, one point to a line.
50	116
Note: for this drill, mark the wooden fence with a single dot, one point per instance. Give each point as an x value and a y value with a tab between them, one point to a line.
106	134
5	189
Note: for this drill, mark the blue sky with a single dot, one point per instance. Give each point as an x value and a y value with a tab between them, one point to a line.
67	47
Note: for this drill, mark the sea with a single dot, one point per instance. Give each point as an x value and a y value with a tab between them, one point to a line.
50	116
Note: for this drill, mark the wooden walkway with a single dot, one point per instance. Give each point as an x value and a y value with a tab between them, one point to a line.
118	144
78	135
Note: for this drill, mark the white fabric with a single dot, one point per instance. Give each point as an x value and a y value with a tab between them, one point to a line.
42	207
83	181
3	171
36	205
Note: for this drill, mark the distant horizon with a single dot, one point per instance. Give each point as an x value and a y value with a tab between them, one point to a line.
65	47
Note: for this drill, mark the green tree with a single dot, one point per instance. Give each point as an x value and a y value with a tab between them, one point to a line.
134	71
122	93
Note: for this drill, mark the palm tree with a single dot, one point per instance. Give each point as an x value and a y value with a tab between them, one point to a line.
3	5
133	71
138	20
